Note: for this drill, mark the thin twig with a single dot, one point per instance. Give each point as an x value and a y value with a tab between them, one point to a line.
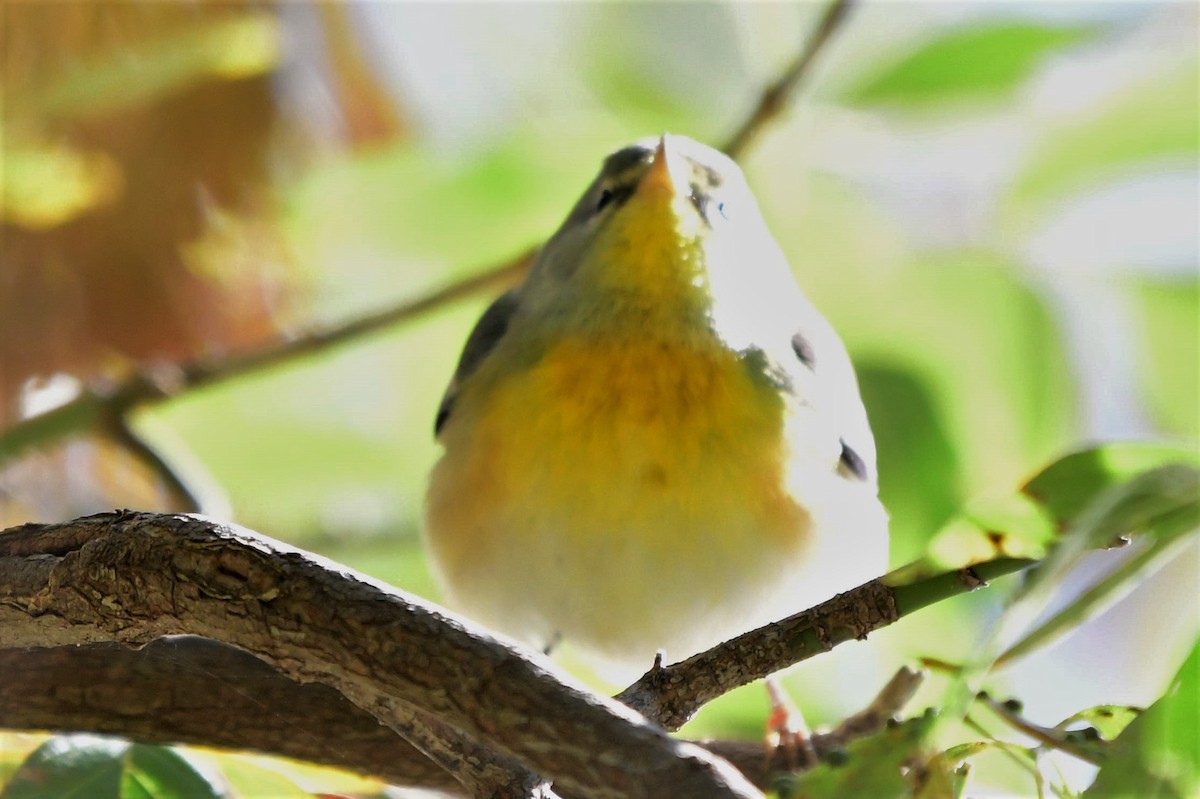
775	97
1047	737
670	695
183	497
95	406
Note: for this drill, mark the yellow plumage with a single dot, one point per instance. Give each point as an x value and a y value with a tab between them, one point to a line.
635	458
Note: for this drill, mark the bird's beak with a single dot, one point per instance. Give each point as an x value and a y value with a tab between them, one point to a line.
667	172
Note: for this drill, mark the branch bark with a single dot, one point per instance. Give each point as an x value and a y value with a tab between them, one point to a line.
364	653
133	577
191	690
197	691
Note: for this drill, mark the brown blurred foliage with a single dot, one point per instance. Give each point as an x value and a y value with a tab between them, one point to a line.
171	252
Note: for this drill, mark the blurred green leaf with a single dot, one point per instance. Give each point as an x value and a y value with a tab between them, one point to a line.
981	62
70	767
1170	353
1067	486
159	772
388	223
1156	754
1163	503
665	66
1109	721
920	479
989	528
1024	525
233	46
872	766
87	767
1153	120
984	349
251	780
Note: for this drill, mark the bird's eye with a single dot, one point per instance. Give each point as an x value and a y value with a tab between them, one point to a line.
721	210
606	197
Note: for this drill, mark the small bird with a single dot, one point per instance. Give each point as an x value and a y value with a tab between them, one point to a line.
655	442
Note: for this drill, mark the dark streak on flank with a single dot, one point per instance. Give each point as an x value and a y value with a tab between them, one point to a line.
804	350
851	463
702	201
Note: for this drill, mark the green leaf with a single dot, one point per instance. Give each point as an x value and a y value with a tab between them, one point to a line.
1152	121
1071	483
1108	721
90	767
872	766
982	62
1169	352
251	778
159	772
1156	754
405	210
923	488
70	767
1101	727
1163	503
1024	525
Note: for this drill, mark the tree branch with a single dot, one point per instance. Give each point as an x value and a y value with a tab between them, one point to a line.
775	96
96	406
671	695
198	691
193	690
133	577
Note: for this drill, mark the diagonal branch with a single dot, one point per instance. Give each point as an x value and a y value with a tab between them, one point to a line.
776	95
95	408
671	695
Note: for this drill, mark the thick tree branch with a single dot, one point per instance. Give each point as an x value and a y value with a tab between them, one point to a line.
133	577
198	691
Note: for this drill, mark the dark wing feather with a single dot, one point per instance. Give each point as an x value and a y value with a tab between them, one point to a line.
483	339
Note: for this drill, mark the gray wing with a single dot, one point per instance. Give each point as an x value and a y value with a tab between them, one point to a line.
488	331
